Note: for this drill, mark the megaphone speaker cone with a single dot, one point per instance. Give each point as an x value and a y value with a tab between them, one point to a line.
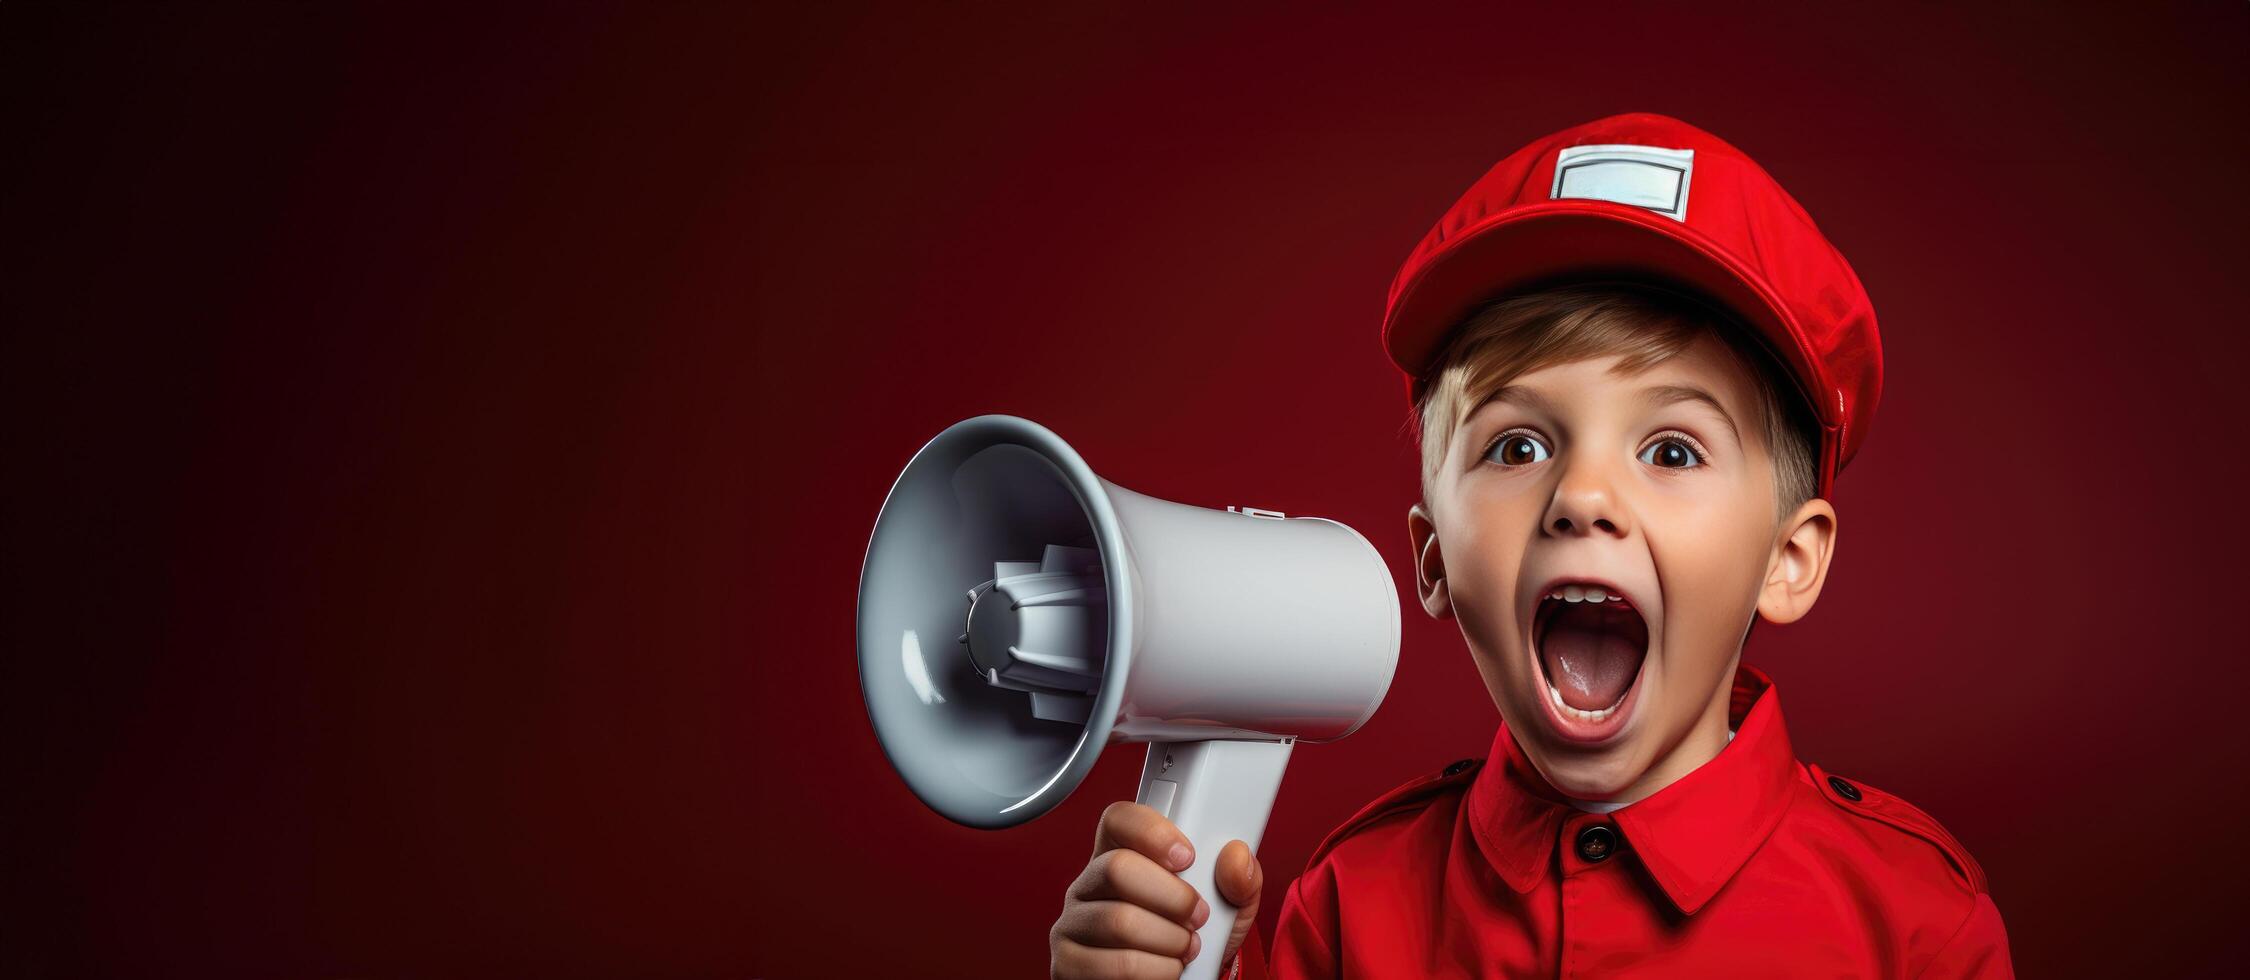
987	643
1018	613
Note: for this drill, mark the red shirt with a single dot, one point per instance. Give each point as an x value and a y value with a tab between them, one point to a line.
1753	865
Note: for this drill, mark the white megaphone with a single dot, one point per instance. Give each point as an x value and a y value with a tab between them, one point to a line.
1018	613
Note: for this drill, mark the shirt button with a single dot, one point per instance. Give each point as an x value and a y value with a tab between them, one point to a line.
1460	767
1596	843
1844	789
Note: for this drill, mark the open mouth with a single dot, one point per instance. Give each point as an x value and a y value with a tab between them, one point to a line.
1590	643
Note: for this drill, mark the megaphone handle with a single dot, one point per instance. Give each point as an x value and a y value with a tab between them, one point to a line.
1215	791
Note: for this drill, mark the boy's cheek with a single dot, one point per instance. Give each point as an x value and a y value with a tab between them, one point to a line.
1695	656
1482	585
1483	604
1706	611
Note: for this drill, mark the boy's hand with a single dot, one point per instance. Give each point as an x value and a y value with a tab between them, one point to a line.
1130	915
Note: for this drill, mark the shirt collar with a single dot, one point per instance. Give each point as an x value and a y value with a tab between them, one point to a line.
1692	835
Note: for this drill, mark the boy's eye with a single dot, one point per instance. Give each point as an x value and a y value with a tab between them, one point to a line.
1671	454
1517	449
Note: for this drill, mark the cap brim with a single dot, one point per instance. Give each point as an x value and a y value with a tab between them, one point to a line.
1590	240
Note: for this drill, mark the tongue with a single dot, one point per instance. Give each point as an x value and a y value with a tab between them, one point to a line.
1592	653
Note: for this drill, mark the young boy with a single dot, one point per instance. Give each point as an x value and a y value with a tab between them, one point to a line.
1636	367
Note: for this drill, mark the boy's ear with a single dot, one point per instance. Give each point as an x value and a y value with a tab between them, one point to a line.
1429	564
1799	564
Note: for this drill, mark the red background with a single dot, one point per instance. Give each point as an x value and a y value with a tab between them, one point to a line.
442	446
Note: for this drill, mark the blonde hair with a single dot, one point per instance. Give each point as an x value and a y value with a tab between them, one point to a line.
1643	326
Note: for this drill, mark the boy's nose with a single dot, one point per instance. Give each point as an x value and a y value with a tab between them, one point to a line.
1585	505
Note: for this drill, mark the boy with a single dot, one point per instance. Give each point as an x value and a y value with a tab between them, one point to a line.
1636	367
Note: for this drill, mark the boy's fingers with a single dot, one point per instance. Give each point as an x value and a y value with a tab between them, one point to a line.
1123	925
1239	877
1073	959
1131	877
1142	829
1240	881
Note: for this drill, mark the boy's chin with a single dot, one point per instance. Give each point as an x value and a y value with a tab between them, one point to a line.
1620	764
1587	771
1587	774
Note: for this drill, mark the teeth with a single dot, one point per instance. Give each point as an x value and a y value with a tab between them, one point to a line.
1583	593
1580	714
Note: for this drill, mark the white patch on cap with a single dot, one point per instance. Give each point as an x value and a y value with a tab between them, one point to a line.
1649	177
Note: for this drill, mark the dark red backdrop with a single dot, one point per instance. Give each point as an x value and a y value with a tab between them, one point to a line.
443	446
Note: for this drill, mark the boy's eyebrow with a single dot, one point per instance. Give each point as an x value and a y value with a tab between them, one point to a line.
1662	395
1521	395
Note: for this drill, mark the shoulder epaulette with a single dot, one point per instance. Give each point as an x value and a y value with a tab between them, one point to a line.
1874	804
1413	794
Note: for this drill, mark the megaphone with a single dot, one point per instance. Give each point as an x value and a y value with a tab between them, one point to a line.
1017	614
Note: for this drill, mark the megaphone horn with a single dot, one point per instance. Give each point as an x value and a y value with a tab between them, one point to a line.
1018	613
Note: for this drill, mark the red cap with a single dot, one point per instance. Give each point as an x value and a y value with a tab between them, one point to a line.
1647	197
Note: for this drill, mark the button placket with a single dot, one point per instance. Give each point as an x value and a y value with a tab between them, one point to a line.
1587	843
